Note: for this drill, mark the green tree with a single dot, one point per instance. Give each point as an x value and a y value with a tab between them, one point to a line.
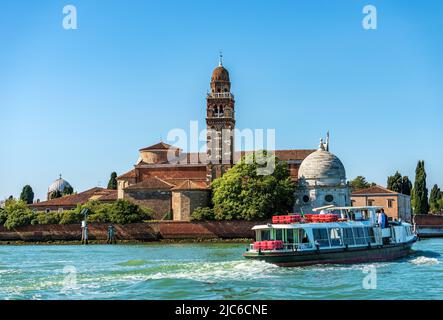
395	182
360	183
68	190
399	184
27	194
203	214
421	204
406	186
112	184
17	214
248	192
434	199
55	194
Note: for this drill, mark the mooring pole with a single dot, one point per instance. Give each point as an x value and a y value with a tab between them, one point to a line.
85	226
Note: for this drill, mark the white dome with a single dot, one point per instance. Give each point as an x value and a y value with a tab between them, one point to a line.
59	185
322	168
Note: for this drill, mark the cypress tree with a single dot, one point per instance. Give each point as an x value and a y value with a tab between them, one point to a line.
395	182
112	184
434	199
421	204
27	194
406	186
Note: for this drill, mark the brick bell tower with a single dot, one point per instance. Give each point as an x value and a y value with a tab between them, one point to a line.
220	124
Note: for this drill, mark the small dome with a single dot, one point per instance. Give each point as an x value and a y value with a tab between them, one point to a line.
59	185
322	168
220	74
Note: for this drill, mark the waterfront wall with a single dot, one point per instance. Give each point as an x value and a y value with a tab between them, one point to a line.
429	225
151	231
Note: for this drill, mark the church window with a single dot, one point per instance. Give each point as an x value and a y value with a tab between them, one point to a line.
329	198
305	198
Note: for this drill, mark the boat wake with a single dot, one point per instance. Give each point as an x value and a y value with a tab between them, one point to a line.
424	260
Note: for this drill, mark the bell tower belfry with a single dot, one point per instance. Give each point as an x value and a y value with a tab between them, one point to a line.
220	124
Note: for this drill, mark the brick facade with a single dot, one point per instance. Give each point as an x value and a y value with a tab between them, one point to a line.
157	200
151	231
396	205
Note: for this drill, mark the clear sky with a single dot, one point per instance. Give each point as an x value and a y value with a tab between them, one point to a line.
82	102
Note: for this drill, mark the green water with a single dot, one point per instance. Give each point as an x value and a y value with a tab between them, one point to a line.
206	271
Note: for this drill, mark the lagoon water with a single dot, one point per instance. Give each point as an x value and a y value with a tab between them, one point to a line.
207	271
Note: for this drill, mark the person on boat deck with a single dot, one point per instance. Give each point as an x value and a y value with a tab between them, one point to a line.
382	219
385	218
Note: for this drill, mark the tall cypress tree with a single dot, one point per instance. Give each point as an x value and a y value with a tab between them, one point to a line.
434	199
27	194
421	204
406	186
112	184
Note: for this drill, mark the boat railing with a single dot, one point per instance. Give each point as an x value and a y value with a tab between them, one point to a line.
289	247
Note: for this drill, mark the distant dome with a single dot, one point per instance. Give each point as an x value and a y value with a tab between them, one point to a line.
220	74
322	168
59	185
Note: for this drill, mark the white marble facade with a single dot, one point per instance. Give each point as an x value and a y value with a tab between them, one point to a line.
321	181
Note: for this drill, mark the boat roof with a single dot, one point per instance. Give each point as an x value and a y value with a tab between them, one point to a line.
354	208
313	225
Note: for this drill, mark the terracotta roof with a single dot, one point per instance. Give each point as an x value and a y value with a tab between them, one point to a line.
151	183
159	146
374	191
200	157
284	155
220	74
192	185
96	193
127	175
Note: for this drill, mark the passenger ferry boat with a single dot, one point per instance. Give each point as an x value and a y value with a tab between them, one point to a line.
338	235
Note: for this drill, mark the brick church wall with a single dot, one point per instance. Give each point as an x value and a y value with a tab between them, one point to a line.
184	202
158	200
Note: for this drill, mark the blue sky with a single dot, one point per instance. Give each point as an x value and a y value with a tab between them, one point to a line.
82	102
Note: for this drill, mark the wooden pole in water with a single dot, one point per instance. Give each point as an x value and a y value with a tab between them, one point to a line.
85	227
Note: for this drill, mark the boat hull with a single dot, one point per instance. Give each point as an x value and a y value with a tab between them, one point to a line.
334	256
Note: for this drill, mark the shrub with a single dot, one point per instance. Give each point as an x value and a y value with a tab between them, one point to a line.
124	211
202	214
17	214
52	217
70	217
3	216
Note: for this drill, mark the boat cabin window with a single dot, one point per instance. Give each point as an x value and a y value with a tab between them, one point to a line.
300	236
348	237
290	235
335	236
264	235
359	235
370	234
278	234
321	236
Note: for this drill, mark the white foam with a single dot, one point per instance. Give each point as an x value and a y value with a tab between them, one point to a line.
424	260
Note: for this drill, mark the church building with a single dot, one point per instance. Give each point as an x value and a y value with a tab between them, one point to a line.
174	183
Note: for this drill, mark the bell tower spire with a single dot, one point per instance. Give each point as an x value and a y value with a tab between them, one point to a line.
220	123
